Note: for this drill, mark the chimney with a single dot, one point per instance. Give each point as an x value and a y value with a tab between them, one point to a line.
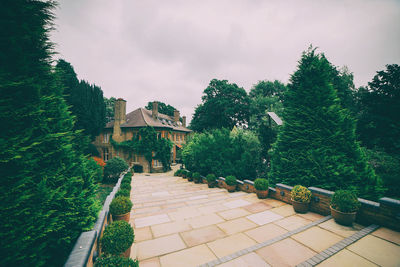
176	115
184	121
119	118
154	113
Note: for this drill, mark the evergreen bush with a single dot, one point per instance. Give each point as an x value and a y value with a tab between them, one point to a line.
126	186
115	261
230	180
316	145
123	192
113	169
261	184
120	205
345	201
117	238
197	177
211	178
301	194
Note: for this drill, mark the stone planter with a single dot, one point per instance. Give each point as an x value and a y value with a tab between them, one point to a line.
343	217
231	188
127	253
122	217
261	194
300	207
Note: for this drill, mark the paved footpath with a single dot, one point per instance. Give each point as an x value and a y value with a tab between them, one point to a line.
179	223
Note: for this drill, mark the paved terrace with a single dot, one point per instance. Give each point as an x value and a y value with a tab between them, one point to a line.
179	223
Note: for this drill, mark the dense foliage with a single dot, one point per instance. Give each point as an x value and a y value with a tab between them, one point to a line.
162	108
47	193
345	201
113	169
120	205
230	180
211	178
85	100
110	108
117	237
317	143
224	105
301	193
266	96
223	152
123	192
261	184
116	261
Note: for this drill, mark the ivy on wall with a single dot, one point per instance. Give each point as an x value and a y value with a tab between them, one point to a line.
150	145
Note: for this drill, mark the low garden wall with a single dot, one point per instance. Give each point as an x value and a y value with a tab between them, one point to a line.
87	247
386	212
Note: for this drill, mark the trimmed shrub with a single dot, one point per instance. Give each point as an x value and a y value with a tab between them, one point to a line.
126	186
211	178
189	174
120	205
116	261
197	177
126	181
230	180
178	172
261	184
345	201
113	169
117	238
123	192
301	194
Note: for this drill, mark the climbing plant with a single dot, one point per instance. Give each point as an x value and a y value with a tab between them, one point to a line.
150	145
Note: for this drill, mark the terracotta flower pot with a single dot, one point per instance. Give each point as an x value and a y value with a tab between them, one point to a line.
300	207
231	188
261	194
190	179
122	217
127	253
343	217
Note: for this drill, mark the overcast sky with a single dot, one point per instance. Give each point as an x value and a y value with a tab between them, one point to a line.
169	50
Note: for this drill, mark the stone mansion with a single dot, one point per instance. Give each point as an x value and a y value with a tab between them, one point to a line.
125	126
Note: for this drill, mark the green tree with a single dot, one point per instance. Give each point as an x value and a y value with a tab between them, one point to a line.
379	115
266	96
223	152
317	144
162	108
224	105
86	101
110	103
47	192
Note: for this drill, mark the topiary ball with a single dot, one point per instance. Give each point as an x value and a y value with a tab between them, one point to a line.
123	192
120	205
230	180
261	184
117	238
115	261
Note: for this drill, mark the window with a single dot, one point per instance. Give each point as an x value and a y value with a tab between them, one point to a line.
106	138
105	154
157	163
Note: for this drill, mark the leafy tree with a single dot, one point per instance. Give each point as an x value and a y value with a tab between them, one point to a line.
317	144
224	105
266	96
162	108
47	197
86	101
342	82
110	103
223	153
379	117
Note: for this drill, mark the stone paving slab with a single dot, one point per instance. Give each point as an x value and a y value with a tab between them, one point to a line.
159	246
170	228
292	222
236	203
346	258
388	235
228	245
264	217
236	225
233	213
189	257
202	235
151	220
249	260
317	238
265	232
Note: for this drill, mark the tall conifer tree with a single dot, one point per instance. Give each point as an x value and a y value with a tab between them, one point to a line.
47	192
317	145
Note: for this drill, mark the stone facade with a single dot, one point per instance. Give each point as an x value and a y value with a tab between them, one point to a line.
125	126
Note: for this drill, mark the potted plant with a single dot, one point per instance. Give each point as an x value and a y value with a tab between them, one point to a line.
231	183
189	176
301	198
178	173
211	180
114	261
197	178
261	186
344	206
120	208
184	173
117	239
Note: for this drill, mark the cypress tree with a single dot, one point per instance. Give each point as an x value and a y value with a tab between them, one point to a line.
317	144
47	191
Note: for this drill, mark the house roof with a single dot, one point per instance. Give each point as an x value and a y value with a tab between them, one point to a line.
142	117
